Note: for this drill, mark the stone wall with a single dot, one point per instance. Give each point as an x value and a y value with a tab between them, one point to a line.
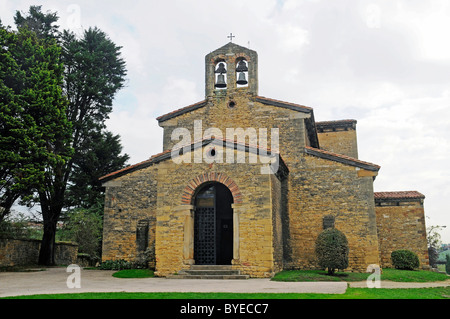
253	223
247	113
130	201
17	252
325	187
230	54
315	188
338	137
401	225
277	221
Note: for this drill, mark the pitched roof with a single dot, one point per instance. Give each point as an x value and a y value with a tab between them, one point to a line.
286	105
398	195
182	110
261	99
168	154
126	170
341	159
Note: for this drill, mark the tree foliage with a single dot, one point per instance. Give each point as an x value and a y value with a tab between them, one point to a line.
332	250
94	72
57	99
33	123
84	226
100	154
434	242
42	24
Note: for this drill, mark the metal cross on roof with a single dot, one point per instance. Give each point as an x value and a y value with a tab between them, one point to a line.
231	36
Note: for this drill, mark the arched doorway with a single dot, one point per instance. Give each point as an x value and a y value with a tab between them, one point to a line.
213	225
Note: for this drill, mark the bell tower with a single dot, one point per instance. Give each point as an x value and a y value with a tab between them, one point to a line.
229	69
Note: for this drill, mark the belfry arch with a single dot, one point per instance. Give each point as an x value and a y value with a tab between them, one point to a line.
236	74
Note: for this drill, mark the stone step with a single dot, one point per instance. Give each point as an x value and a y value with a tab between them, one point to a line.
209	272
218	277
211	267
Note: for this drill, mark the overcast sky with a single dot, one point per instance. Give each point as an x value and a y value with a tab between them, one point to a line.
384	63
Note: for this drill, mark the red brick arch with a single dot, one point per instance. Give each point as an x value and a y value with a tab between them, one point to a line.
194	183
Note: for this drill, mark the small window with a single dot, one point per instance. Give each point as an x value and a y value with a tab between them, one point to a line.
212	153
231	104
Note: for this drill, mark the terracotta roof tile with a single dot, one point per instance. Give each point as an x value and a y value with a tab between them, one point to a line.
398	195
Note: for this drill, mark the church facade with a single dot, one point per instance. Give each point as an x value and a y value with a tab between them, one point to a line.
249	181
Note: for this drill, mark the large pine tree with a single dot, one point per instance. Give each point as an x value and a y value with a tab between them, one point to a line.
33	123
94	72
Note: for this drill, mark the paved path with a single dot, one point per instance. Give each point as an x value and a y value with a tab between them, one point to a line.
394	284
54	280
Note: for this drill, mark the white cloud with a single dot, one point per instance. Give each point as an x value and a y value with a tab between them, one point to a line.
292	38
428	22
383	63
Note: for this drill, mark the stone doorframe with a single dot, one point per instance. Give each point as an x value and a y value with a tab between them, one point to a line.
188	210
188	239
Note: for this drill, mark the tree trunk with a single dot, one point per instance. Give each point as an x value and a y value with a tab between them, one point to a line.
47	251
50	213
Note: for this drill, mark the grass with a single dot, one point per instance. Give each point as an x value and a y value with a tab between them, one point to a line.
134	273
351	293
291	275
317	275
387	274
320	275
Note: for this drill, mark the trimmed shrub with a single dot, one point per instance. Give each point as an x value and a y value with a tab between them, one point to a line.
332	250
405	259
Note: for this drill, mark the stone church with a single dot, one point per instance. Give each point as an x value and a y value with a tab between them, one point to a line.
249	182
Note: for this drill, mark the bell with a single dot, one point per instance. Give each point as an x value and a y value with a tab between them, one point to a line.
221	81
241	80
242	67
221	69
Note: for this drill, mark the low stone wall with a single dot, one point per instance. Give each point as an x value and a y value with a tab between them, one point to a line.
401	225
25	252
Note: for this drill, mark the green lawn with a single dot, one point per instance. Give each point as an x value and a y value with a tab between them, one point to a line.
291	275
387	274
134	273
351	293
320	275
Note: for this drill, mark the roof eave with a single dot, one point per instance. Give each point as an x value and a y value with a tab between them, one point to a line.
181	111
342	159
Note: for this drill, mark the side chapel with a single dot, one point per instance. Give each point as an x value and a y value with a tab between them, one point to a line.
215	199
